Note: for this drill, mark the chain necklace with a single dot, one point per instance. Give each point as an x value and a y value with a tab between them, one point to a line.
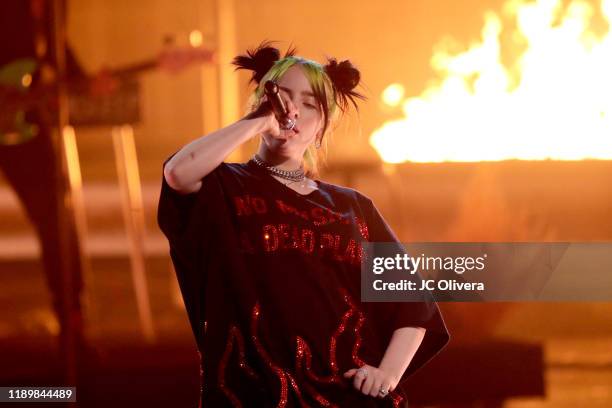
293	175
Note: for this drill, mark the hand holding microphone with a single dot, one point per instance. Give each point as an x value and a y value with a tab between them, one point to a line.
280	110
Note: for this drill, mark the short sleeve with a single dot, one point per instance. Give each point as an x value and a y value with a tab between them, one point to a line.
182	218
174	209
394	315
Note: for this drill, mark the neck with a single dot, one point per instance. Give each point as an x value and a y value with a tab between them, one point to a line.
281	162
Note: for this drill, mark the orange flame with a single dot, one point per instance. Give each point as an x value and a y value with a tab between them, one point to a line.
554	102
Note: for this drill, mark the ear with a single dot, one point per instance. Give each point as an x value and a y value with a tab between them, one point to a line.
319	132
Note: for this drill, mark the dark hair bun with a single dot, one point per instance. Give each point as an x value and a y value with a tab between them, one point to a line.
344	74
259	60
345	77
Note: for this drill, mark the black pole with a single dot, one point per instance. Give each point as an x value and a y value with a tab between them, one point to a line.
68	339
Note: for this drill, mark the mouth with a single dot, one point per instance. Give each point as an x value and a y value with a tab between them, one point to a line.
287	133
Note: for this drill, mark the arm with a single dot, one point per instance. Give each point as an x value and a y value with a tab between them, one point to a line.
198	158
402	347
414	332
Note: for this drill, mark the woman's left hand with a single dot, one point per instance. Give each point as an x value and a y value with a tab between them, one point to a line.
372	380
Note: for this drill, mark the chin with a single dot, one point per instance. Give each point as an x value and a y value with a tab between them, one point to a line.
278	149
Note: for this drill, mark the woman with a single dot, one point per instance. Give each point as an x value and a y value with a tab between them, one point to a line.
268	257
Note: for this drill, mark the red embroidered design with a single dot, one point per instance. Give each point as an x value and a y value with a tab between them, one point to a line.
295	235
395	397
296	389
287	209
303	360
248	204
363	228
330	241
234	337
308	241
289	237
284	236
270	236
318	397
282	401
318	215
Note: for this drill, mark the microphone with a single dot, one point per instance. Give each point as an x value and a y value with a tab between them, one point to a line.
280	110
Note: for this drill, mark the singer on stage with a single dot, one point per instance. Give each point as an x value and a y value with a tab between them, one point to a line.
268	256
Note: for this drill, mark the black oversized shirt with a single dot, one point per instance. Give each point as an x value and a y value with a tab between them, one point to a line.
271	283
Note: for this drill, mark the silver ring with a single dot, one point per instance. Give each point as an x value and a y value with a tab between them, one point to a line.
364	371
290	124
383	392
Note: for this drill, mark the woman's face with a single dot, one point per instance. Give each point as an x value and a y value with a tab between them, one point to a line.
297	94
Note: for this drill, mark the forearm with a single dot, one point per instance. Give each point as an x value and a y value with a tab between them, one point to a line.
402	347
199	157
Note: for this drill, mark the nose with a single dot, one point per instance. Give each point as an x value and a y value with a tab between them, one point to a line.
292	110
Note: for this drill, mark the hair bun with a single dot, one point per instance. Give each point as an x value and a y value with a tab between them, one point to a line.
344	74
259	60
345	77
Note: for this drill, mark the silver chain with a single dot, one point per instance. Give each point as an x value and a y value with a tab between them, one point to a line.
293	175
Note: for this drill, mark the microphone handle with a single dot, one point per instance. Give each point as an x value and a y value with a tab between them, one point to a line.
279	108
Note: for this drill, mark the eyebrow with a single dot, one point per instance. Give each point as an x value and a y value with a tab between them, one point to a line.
290	92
